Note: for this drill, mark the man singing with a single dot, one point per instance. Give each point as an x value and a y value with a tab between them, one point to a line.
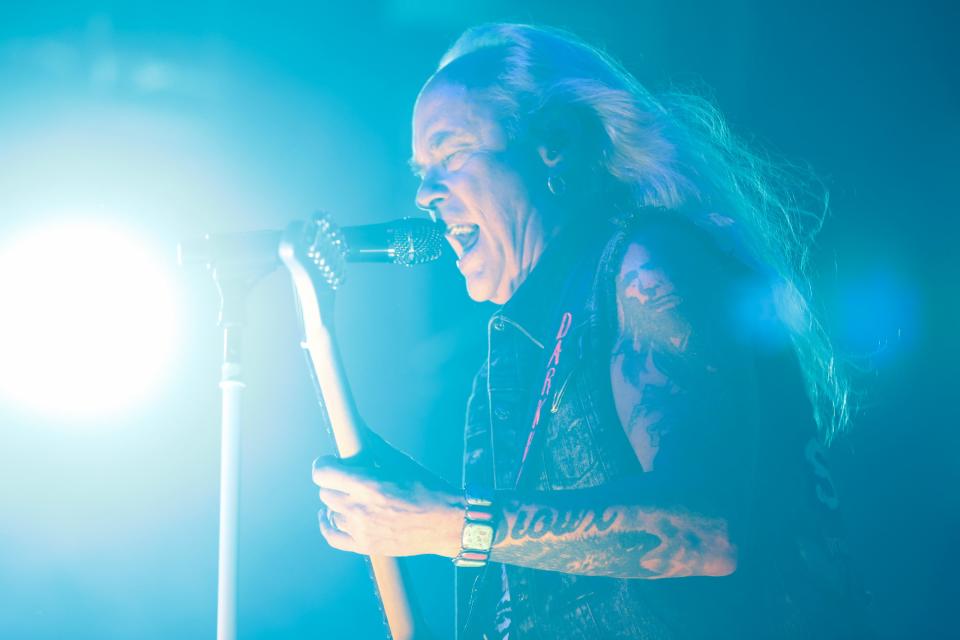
643	443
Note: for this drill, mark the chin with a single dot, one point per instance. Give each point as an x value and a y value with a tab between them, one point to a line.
478	295
481	291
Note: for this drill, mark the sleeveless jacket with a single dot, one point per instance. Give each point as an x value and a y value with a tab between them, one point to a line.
579	443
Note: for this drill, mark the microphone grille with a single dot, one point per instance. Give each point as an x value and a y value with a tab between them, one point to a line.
416	241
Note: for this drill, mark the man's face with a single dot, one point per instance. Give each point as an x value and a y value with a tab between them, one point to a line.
479	185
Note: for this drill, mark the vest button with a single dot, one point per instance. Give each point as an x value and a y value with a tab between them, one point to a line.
501	413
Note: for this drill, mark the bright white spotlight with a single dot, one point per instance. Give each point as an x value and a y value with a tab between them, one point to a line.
86	320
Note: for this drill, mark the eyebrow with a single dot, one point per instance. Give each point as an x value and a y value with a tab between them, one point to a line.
437	140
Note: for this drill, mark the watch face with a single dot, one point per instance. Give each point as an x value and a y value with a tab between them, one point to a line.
477	536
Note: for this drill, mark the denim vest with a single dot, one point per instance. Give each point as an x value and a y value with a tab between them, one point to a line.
580	443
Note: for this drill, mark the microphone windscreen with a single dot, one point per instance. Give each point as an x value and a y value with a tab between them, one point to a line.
417	241
406	241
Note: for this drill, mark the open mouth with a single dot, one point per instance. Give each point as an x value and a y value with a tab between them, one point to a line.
466	235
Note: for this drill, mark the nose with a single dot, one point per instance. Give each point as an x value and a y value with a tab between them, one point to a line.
431	193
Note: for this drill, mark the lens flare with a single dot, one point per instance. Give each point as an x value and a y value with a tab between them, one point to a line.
87	323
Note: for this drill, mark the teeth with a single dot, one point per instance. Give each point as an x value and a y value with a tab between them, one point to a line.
461	229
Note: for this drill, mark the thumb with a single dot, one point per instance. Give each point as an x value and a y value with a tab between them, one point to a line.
330	472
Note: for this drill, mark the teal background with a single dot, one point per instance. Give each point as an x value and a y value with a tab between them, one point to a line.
177	119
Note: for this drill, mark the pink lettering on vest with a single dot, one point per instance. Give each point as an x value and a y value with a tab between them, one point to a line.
566	321
555	358
545	389
536	416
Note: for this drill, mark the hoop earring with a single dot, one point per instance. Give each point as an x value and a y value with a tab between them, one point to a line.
557	185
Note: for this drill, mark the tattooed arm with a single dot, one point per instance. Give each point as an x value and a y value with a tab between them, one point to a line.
680	400
678	389
606	532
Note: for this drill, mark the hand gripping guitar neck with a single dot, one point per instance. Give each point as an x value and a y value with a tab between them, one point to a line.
315	253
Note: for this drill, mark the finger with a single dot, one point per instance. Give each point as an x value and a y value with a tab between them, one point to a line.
326	514
334	537
336	500
330	473
340	522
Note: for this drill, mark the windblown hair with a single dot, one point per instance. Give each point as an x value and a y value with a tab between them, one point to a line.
674	151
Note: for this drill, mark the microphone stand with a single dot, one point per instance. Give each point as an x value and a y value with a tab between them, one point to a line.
238	261
234	280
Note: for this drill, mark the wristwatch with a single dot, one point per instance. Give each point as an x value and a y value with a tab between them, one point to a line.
478	529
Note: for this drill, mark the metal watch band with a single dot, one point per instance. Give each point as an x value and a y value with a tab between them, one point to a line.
478	496
476	540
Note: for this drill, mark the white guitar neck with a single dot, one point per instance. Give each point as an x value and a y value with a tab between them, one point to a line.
345	422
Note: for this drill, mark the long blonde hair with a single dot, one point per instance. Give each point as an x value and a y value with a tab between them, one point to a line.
672	150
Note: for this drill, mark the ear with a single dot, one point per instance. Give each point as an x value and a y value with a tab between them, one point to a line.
550	156
558	132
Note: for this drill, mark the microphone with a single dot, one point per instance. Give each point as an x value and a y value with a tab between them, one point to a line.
406	241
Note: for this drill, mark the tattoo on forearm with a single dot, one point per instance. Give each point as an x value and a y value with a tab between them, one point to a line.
608	541
558	523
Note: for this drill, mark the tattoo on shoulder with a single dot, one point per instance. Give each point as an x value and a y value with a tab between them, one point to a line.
652	361
647	300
